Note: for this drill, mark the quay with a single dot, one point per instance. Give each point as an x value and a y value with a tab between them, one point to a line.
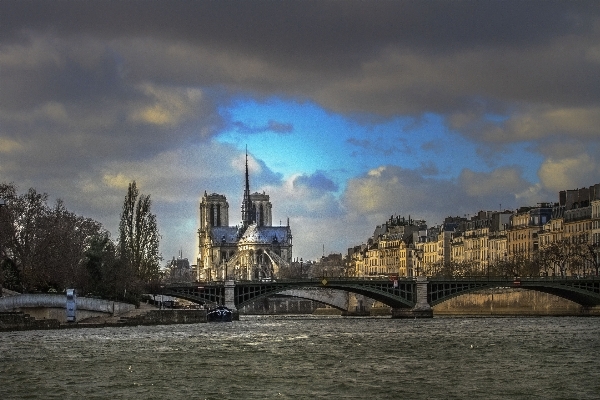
144	315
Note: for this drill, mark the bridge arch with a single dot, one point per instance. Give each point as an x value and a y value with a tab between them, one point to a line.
338	301
402	295
399	295
332	297
199	294
585	292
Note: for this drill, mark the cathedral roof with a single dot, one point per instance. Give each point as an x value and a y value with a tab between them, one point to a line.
254	234
229	233
265	234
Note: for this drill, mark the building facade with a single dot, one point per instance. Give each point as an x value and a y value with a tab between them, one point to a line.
253	250
549	238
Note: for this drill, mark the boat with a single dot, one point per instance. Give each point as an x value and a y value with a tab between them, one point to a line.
219	314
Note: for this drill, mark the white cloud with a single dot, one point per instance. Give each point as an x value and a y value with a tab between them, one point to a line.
569	173
493	184
167	105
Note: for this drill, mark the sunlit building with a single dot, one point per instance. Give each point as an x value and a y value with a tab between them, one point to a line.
252	250
552	231
490	241
596	222
525	226
390	251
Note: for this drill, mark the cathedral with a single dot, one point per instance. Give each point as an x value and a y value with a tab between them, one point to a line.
254	250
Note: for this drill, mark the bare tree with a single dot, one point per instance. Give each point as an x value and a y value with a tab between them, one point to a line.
563	256
42	248
591	255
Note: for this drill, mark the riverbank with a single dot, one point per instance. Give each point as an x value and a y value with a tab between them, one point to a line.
144	315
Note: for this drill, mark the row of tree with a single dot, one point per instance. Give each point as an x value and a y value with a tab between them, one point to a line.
560	258
47	248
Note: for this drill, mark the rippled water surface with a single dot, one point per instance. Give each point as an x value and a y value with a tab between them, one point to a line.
309	357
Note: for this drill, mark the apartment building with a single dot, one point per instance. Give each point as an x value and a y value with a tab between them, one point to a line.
525	226
595	222
390	251
552	231
389	254
408	248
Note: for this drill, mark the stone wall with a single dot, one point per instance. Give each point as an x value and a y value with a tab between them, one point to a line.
510	301
19	321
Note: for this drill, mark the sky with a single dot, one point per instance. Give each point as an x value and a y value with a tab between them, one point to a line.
351	111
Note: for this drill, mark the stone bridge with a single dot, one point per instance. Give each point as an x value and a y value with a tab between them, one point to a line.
408	297
53	306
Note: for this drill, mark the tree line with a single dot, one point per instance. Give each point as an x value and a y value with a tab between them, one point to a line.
569	256
46	248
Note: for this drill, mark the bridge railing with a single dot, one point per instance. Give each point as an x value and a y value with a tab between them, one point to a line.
517	278
320	279
401	279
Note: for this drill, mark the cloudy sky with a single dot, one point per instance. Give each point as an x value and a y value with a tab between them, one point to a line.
352	111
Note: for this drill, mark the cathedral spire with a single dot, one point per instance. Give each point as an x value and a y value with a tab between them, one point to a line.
247	217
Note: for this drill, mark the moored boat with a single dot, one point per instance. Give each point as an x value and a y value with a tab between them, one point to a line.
219	314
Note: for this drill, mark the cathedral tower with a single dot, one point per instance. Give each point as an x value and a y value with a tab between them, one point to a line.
248	215
261	208
255	250
214	211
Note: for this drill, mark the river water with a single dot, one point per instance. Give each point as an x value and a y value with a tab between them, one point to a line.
309	357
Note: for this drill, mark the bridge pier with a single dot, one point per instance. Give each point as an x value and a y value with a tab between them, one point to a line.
230	298
422	309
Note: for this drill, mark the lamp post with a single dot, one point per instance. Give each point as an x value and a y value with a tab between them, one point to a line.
419	257
223	257
596	248
2	204
301	272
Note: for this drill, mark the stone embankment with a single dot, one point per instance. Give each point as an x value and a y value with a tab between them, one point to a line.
19	321
145	315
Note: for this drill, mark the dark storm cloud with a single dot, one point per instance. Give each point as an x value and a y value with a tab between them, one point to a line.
113	75
310	27
380	57
60	74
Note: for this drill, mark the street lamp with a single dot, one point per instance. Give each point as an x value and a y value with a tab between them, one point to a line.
2	204
301	261
419	257
596	253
